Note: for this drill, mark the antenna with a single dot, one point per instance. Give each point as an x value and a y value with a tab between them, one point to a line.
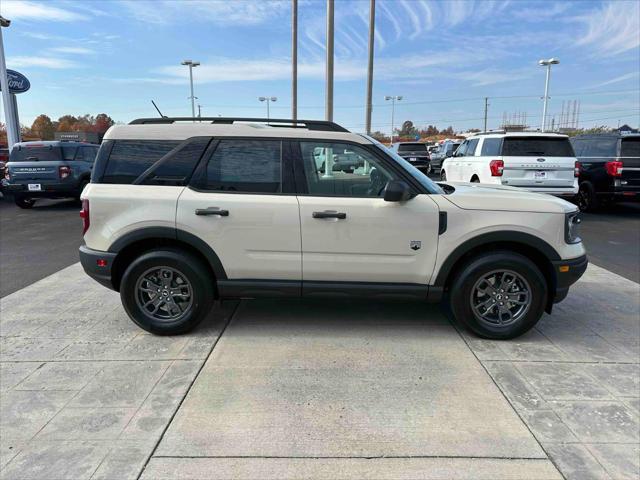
156	107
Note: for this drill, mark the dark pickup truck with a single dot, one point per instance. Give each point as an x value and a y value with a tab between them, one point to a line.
50	169
416	153
609	168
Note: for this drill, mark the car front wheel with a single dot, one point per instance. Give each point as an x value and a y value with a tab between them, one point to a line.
500	295
167	291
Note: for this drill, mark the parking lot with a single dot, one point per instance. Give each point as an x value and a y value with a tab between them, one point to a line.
311	389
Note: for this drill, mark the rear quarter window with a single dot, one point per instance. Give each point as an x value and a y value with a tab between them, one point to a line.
630	147
537	147
130	158
491	147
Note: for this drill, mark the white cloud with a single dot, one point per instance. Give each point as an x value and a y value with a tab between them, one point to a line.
613	28
621	78
73	50
30	10
42	62
219	12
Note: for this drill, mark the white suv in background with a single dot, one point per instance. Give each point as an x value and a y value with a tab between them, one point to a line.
539	162
179	214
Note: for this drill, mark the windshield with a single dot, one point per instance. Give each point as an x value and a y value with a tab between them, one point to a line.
412	147
429	185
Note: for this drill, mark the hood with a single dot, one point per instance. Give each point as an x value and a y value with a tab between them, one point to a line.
473	196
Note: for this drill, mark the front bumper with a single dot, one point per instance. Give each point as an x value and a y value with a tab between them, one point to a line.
92	261
567	272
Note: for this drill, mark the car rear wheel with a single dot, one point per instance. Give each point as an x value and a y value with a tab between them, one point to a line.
24	202
587	199
167	292
499	295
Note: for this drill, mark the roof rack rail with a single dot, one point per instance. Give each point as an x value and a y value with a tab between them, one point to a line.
320	125
489	132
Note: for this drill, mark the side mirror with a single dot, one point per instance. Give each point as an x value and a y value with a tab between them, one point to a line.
397	191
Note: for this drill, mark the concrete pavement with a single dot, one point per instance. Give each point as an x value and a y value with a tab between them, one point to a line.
309	389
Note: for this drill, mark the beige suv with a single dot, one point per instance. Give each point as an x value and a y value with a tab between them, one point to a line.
179	214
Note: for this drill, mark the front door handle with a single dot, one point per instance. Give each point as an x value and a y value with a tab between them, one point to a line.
212	211
330	214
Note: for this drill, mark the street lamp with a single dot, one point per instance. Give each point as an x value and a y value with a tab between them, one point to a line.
394	99
268	100
546	63
9	112
191	64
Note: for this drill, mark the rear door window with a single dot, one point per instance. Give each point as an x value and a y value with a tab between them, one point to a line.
130	158
177	168
88	154
471	147
536	147
251	166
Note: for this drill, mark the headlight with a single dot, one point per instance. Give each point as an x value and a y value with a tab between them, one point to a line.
572	228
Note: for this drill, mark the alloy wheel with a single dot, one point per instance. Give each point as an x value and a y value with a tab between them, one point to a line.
164	293
500	298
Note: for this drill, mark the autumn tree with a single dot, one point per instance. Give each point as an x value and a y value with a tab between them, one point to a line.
103	122
408	129
43	127
67	123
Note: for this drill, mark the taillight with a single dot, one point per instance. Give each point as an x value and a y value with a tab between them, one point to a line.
497	167
84	215
577	168
64	171
614	169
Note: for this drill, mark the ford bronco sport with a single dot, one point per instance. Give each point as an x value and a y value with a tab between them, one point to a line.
179	214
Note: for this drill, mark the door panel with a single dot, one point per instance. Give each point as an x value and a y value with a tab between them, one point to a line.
259	239
372	243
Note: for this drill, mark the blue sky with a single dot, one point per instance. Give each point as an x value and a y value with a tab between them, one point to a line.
114	56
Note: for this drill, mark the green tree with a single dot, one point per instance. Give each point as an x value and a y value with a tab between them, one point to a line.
408	129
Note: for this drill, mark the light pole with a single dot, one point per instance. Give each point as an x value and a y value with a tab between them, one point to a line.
546	63
7	101
369	106
268	100
393	99
328	113
294	59
191	64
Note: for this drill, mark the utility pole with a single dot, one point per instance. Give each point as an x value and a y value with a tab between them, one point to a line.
393	99
372	29
329	72
13	136
199	111
294	59
486	111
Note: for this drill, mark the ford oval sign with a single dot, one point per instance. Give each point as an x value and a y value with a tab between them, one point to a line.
18	83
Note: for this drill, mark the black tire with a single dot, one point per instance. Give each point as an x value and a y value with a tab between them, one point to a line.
475	179
443	175
463	292
186	265
587	199
24	202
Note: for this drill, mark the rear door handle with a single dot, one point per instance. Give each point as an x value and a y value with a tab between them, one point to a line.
212	211
330	214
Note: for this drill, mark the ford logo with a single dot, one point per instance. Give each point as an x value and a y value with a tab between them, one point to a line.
18	83
541	160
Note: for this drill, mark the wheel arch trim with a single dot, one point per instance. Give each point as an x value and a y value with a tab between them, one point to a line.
168	233
461	250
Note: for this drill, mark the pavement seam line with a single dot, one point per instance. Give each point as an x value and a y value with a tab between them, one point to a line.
455	326
195	377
